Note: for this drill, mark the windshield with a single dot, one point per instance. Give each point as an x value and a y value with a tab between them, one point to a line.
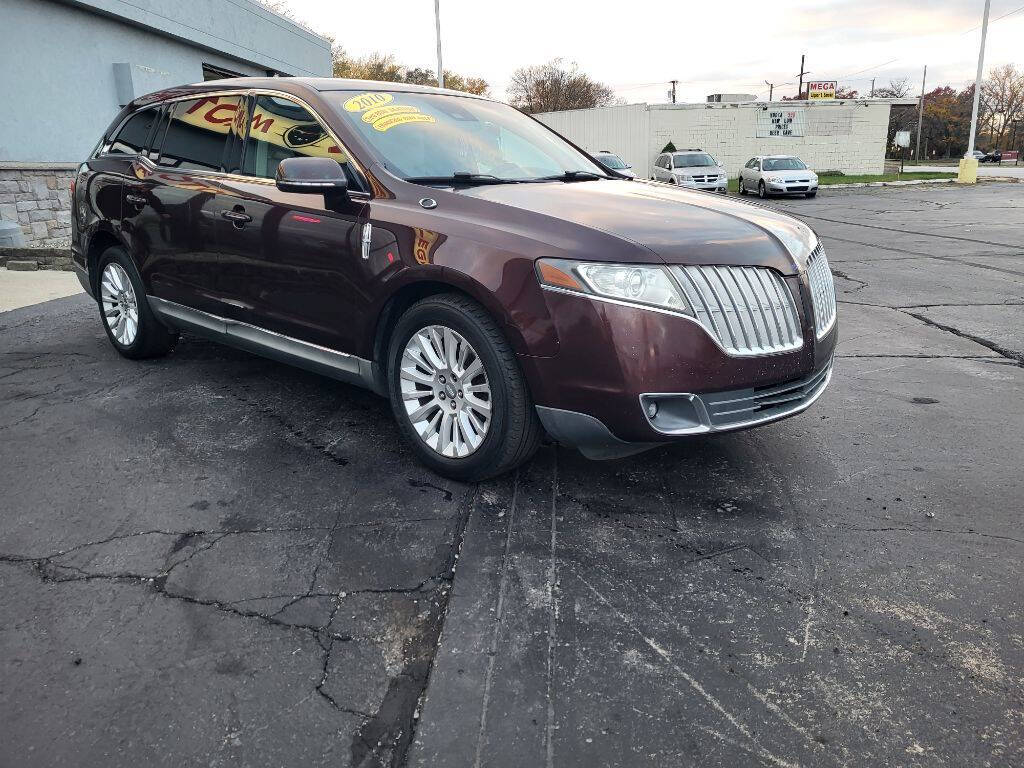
696	160
784	164
611	161
431	136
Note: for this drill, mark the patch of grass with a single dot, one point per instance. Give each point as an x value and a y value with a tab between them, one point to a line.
862	178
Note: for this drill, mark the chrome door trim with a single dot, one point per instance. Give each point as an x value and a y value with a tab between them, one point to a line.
276	346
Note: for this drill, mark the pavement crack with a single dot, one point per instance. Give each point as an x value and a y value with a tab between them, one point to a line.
385	737
1009	354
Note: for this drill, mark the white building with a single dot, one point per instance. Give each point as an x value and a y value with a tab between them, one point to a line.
846	135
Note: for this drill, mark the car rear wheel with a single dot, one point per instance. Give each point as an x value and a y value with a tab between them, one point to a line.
456	389
130	324
762	192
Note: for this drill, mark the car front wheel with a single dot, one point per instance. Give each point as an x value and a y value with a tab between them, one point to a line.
762	191
740	188
456	389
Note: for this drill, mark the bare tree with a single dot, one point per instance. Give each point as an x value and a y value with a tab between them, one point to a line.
556	86
1003	97
897	89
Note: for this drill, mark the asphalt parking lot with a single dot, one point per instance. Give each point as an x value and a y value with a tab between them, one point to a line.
215	559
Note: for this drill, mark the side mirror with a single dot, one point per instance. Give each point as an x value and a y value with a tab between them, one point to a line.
317	175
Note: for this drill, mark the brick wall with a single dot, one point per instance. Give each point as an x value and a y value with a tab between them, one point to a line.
37	197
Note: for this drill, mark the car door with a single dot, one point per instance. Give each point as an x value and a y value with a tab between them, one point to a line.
292	262
170	202
659	168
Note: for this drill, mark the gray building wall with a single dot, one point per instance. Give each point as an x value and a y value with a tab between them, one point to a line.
67	67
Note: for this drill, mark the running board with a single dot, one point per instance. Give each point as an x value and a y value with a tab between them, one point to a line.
276	346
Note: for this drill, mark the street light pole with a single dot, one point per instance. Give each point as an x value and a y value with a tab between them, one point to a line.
437	24
977	81
920	117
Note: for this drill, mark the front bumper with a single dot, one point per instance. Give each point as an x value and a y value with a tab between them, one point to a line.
785	188
679	415
706	186
614	361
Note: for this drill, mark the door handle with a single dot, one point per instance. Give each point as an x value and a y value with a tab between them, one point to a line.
135	199
237	218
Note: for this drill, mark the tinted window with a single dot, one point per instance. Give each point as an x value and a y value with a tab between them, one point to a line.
611	161
281	128
198	132
784	164
697	160
135	132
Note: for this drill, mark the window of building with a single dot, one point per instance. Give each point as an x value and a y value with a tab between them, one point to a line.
134	133
198	131
211	72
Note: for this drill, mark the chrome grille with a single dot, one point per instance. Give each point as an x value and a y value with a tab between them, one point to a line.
823	292
748	310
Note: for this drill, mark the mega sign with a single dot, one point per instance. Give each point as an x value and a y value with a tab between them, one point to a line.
821	89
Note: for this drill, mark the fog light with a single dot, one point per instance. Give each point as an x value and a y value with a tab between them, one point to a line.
652	410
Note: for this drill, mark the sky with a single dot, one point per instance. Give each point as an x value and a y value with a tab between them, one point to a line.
730	46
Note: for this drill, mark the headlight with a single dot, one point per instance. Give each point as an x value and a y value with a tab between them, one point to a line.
638	284
684	177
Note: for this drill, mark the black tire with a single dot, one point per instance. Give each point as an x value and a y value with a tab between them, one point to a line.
811	194
762	191
153	338
514	432
740	188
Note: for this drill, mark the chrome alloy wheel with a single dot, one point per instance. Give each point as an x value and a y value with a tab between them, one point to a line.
119	303
445	391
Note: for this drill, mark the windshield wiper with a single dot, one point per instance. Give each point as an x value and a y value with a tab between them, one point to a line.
461	177
573	176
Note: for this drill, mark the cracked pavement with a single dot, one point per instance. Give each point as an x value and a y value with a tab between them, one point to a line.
215	559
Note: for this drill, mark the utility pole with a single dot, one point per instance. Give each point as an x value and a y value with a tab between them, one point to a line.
800	87
872	88
771	89
673	90
977	80
920	116
437	24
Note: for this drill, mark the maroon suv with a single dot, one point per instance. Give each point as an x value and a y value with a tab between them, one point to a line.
450	253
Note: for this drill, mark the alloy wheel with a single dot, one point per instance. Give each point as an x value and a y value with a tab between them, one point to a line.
445	391
119	304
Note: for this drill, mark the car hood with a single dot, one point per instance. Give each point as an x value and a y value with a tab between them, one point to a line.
680	226
791	175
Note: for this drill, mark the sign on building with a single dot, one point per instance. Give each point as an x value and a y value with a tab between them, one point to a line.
821	89
781	123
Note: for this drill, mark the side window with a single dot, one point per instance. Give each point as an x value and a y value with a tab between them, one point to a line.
197	133
134	133
280	128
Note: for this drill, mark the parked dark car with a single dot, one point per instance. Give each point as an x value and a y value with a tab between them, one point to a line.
995	156
455	256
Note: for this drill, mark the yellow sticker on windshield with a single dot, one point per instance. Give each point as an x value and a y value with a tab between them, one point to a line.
367	100
386	123
375	114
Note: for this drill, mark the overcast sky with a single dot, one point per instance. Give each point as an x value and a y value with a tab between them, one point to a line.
728	46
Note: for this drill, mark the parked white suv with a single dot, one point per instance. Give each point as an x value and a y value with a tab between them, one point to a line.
691	168
777	175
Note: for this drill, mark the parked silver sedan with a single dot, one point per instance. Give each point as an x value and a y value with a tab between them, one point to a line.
767	175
